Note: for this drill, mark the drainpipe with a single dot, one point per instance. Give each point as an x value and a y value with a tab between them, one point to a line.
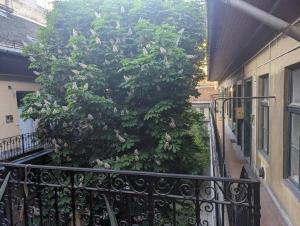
266	18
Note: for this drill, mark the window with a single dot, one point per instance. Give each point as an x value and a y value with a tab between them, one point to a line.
9	119
294	127
264	115
20	96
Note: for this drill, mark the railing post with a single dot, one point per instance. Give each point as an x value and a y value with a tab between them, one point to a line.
223	139
73	198
39	194
56	207
256	204
10	193
150	202
25	210
23	145
197	207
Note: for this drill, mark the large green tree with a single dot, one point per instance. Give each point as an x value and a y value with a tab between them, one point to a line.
116	77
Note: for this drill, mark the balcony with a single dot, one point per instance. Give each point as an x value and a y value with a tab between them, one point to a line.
11	44
15	147
54	195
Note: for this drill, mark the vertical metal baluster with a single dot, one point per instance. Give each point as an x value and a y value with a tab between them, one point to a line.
197	208
174	212
247	210
15	146
32	141
1	151
12	142
10	204
10	148
17	150
56	208
109	188
91	209
25	201
73	197
7	147
23	144
150	202
222	211
5	152
256	204
130	208
216	199
223	204
28	143
4	149
40	197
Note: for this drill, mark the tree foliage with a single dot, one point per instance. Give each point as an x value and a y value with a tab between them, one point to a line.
116	76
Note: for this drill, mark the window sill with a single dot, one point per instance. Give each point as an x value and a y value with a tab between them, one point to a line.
292	187
264	155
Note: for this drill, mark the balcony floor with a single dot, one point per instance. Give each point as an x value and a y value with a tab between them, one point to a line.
270	214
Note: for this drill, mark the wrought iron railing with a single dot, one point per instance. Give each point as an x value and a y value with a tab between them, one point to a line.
219	165
50	195
11	44
17	146
237	215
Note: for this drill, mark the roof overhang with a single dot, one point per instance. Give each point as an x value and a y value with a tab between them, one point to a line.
234	37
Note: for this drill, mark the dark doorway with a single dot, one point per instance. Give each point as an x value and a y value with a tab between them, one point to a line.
234	94
239	122
247	118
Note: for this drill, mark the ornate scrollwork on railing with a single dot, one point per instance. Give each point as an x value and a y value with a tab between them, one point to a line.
44	195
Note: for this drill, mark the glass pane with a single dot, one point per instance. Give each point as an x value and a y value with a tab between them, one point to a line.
296	85
264	87
294	149
265	129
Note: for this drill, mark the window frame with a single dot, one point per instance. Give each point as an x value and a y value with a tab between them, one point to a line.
262	107
292	109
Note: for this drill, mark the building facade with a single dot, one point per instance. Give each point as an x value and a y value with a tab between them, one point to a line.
251	59
19	24
206	90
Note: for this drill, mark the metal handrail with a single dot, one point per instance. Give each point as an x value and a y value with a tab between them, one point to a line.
127	172
39	187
